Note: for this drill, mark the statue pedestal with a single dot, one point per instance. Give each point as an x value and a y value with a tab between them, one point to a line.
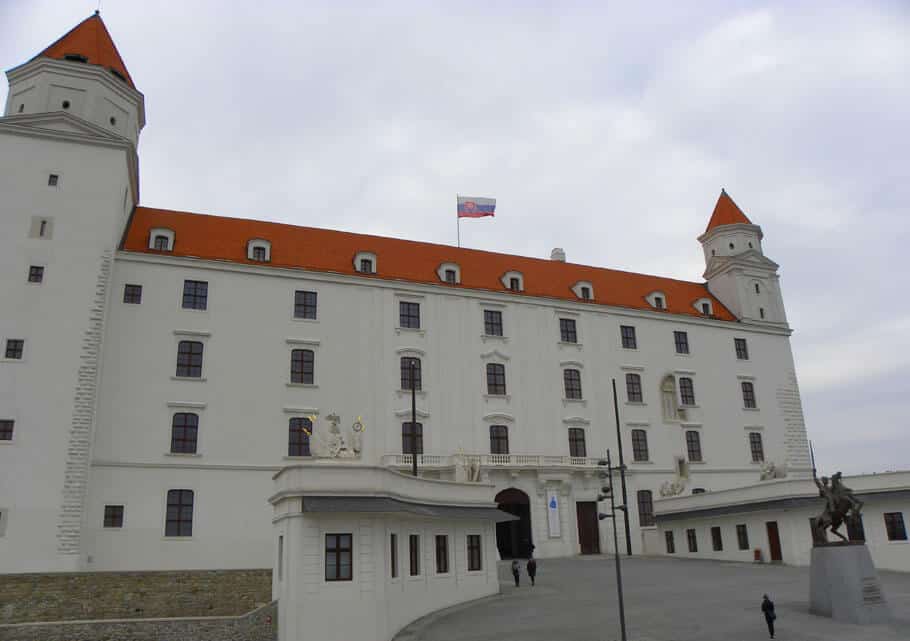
845	586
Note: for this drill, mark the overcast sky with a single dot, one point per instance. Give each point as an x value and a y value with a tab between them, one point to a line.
606	128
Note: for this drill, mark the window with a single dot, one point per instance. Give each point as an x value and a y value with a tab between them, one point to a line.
302	366
706	309
761	312
748	395
639	445
633	388
259	250
259	254
42	229
280	557
755	445
496	379
195	294
113	516
14	348
393	554
894	526
184	430
659	302
628	337
856	530
409	315
686	391
35	274
698	490
414	554
52	180
586	293
717	541
577	447
682	342
742	536
6	429
442	554
567	333
499	439
671	545
757	289
572	380
366	265
338	557
305	304
132	294
189	359
450	276
161	243
515	284
411	438
645	508
179	517
693	445
492	322
474	555
693	542
742	350
406	381
299	430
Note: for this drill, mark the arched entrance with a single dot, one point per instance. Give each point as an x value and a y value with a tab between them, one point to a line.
513	538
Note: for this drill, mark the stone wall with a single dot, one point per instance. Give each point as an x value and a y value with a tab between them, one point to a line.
80	596
259	625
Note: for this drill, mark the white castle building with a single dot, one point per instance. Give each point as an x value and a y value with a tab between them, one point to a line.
160	367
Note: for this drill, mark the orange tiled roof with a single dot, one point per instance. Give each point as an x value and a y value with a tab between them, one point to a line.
90	38
325	250
726	212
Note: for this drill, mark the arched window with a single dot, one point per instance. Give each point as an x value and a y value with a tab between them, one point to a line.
302	366
633	388
572	381
406	381
499	439
162	239
496	379
184	430
299	431
639	445
259	250
645	508
412	438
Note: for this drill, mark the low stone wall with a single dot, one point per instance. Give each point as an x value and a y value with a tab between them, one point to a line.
259	625
80	596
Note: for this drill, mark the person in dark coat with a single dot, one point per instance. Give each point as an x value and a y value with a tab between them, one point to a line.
532	569
516	571
767	607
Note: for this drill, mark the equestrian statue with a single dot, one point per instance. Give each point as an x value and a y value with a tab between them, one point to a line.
841	506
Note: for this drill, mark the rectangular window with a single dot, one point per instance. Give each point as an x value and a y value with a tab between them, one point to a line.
586	293
414	554
113	516
303	366
628	337
6	429
305	304
132	294
14	348
412	438
492	322
692	541
742	536
499	439
338	557
161	243
748	395
409	315
572	382
299	431
686	391
474	555
645	508
35	274
567	333
366	266
717	541
693	445
496	379
184	433
514	284
755	445
195	294
189	359
450	276
633	388
639	445
52	180
179	518
577	447
682	342
659	302
442	554
742	350
671	544
894	526
706	309
407	382
259	254
393	554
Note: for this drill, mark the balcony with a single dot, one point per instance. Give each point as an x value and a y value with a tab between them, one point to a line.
491	461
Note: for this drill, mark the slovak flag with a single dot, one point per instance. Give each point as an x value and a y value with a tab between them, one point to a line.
469	207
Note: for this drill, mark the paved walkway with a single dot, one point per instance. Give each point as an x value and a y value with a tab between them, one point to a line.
666	600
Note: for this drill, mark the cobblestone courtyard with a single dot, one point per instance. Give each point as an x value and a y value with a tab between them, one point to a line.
666	600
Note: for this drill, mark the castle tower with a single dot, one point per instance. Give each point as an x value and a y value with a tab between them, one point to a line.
70	180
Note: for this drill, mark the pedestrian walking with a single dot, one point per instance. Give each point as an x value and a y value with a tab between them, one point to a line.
516	571
532	569
767	607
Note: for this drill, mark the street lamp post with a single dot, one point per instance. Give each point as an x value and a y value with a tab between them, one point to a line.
622	473
607	492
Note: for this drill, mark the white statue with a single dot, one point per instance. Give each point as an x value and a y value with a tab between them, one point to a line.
467	468
672	488
333	444
770	471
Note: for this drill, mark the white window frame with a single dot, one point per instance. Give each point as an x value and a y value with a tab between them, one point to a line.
507	278
701	301
366	256
441	272
255	243
576	288
162	231
652	300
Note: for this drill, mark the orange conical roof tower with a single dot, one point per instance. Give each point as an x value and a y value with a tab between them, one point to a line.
726	212
89	42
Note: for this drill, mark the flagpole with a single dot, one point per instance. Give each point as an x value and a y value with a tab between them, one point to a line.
457	221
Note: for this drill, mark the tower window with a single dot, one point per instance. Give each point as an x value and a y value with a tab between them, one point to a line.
75	57
302	366
118	74
113	121
52	180
748	395
639	445
686	391
66	104
567	330
132	294
633	388
179	518
408	315
742	349
757	290
627	332
184	431
113	516
21	107
35	274
756	447
731	245
492	322
299	430
189	359
761	312
681	339
14	348
693	446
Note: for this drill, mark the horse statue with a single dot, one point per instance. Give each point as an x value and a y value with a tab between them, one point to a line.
841	506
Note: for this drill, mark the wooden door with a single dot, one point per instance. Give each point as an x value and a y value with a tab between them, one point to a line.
774	541
588	530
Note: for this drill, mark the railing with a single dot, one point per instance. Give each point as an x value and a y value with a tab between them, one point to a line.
490	460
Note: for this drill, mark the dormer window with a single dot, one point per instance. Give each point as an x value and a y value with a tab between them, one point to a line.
586	293
161	239
657	300
75	57
583	290
706	309
514	281
449	273
515	284
259	250
365	263
450	276
704	306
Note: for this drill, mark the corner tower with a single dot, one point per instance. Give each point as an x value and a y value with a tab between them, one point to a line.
737	271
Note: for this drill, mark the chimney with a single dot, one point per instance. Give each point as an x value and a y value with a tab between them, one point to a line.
559	254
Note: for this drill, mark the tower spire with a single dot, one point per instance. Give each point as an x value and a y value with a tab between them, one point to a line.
726	212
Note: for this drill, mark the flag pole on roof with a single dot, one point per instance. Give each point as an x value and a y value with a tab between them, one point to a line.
473	207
